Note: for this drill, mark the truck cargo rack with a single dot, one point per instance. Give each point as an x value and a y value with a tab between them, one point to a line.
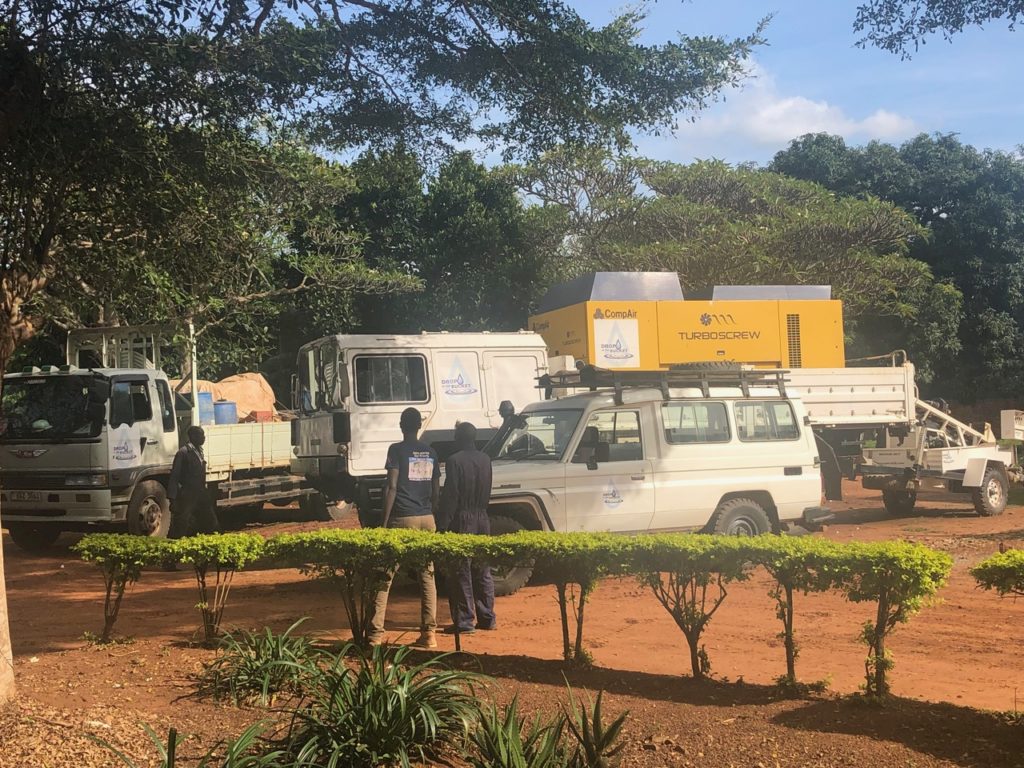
688	376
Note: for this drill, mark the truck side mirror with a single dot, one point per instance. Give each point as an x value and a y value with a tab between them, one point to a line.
592	462
96	412
99	390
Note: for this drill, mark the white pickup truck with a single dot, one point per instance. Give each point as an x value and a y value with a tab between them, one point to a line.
83	447
724	451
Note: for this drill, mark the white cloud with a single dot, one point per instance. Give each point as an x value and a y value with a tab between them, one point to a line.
762	114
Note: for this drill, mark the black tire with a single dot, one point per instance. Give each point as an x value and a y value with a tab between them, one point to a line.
740	517
236	518
313	506
899	503
34	537
508	581
149	512
991	496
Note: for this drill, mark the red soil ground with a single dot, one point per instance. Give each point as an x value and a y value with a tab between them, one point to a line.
955	657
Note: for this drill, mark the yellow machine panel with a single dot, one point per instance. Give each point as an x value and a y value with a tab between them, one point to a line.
648	335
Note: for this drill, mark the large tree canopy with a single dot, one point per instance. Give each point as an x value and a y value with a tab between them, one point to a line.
970	203
714	224
137	137
902	25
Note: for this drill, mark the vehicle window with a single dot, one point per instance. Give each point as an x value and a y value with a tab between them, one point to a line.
695	422
129	403
49	407
619	430
757	420
391	379
166	405
540	435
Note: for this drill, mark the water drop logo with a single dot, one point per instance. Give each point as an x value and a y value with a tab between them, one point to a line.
458	384
616	348
611	496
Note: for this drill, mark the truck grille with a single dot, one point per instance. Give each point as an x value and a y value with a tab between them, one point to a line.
34	481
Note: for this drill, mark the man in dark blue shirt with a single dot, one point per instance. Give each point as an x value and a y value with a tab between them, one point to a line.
410	497
191	506
463	509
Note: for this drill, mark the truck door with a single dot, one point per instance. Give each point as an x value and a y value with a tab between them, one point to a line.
609	482
510	374
135	435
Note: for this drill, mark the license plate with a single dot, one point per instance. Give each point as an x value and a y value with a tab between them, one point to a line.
26	496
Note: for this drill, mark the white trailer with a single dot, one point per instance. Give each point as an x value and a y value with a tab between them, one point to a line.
91	443
883	433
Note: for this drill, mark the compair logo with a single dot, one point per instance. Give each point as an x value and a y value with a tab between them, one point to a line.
722	319
615	314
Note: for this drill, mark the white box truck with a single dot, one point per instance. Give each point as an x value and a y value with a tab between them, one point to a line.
351	389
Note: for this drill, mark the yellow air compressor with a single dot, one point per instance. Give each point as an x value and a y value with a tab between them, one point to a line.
640	321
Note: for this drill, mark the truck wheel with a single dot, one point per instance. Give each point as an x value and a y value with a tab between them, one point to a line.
740	517
899	503
149	513
313	506
991	496
509	580
34	537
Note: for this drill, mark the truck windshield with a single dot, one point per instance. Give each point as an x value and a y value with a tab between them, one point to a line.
48	408
540	435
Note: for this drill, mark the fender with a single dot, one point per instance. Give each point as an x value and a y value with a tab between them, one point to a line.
532	500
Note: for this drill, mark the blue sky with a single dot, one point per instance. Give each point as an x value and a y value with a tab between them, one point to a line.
811	77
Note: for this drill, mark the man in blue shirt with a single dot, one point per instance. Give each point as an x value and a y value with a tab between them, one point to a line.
410	498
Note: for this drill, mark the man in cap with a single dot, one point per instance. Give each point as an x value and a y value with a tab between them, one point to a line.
410	497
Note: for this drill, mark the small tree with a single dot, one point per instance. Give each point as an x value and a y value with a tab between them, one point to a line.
356	562
898	577
1003	572
219	555
121	559
688	574
796	565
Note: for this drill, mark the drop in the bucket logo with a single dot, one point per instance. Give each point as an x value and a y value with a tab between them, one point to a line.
611	496
616	348
458	383
124	451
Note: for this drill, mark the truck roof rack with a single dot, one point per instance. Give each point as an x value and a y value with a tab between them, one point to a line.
702	376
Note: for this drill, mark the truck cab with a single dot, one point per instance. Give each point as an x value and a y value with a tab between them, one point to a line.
77	443
723	453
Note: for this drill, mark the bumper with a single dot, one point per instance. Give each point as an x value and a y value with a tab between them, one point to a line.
74	505
815	517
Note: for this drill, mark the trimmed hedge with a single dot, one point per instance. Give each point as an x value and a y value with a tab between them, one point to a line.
689	574
1003	573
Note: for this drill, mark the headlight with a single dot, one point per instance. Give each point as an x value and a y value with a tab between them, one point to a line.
83	481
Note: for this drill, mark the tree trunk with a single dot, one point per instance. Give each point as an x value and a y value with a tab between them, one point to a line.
564	614
790	640
6	656
578	651
693	641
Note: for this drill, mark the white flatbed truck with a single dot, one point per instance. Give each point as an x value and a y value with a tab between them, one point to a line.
88	447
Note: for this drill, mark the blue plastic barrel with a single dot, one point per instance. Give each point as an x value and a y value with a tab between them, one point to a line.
225	412
206	411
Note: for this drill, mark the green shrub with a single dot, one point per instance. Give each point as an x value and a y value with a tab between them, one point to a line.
243	752
688	574
597	745
121	558
802	564
356	562
383	712
253	667
568	560
504	739
898	577
219	555
1003	572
